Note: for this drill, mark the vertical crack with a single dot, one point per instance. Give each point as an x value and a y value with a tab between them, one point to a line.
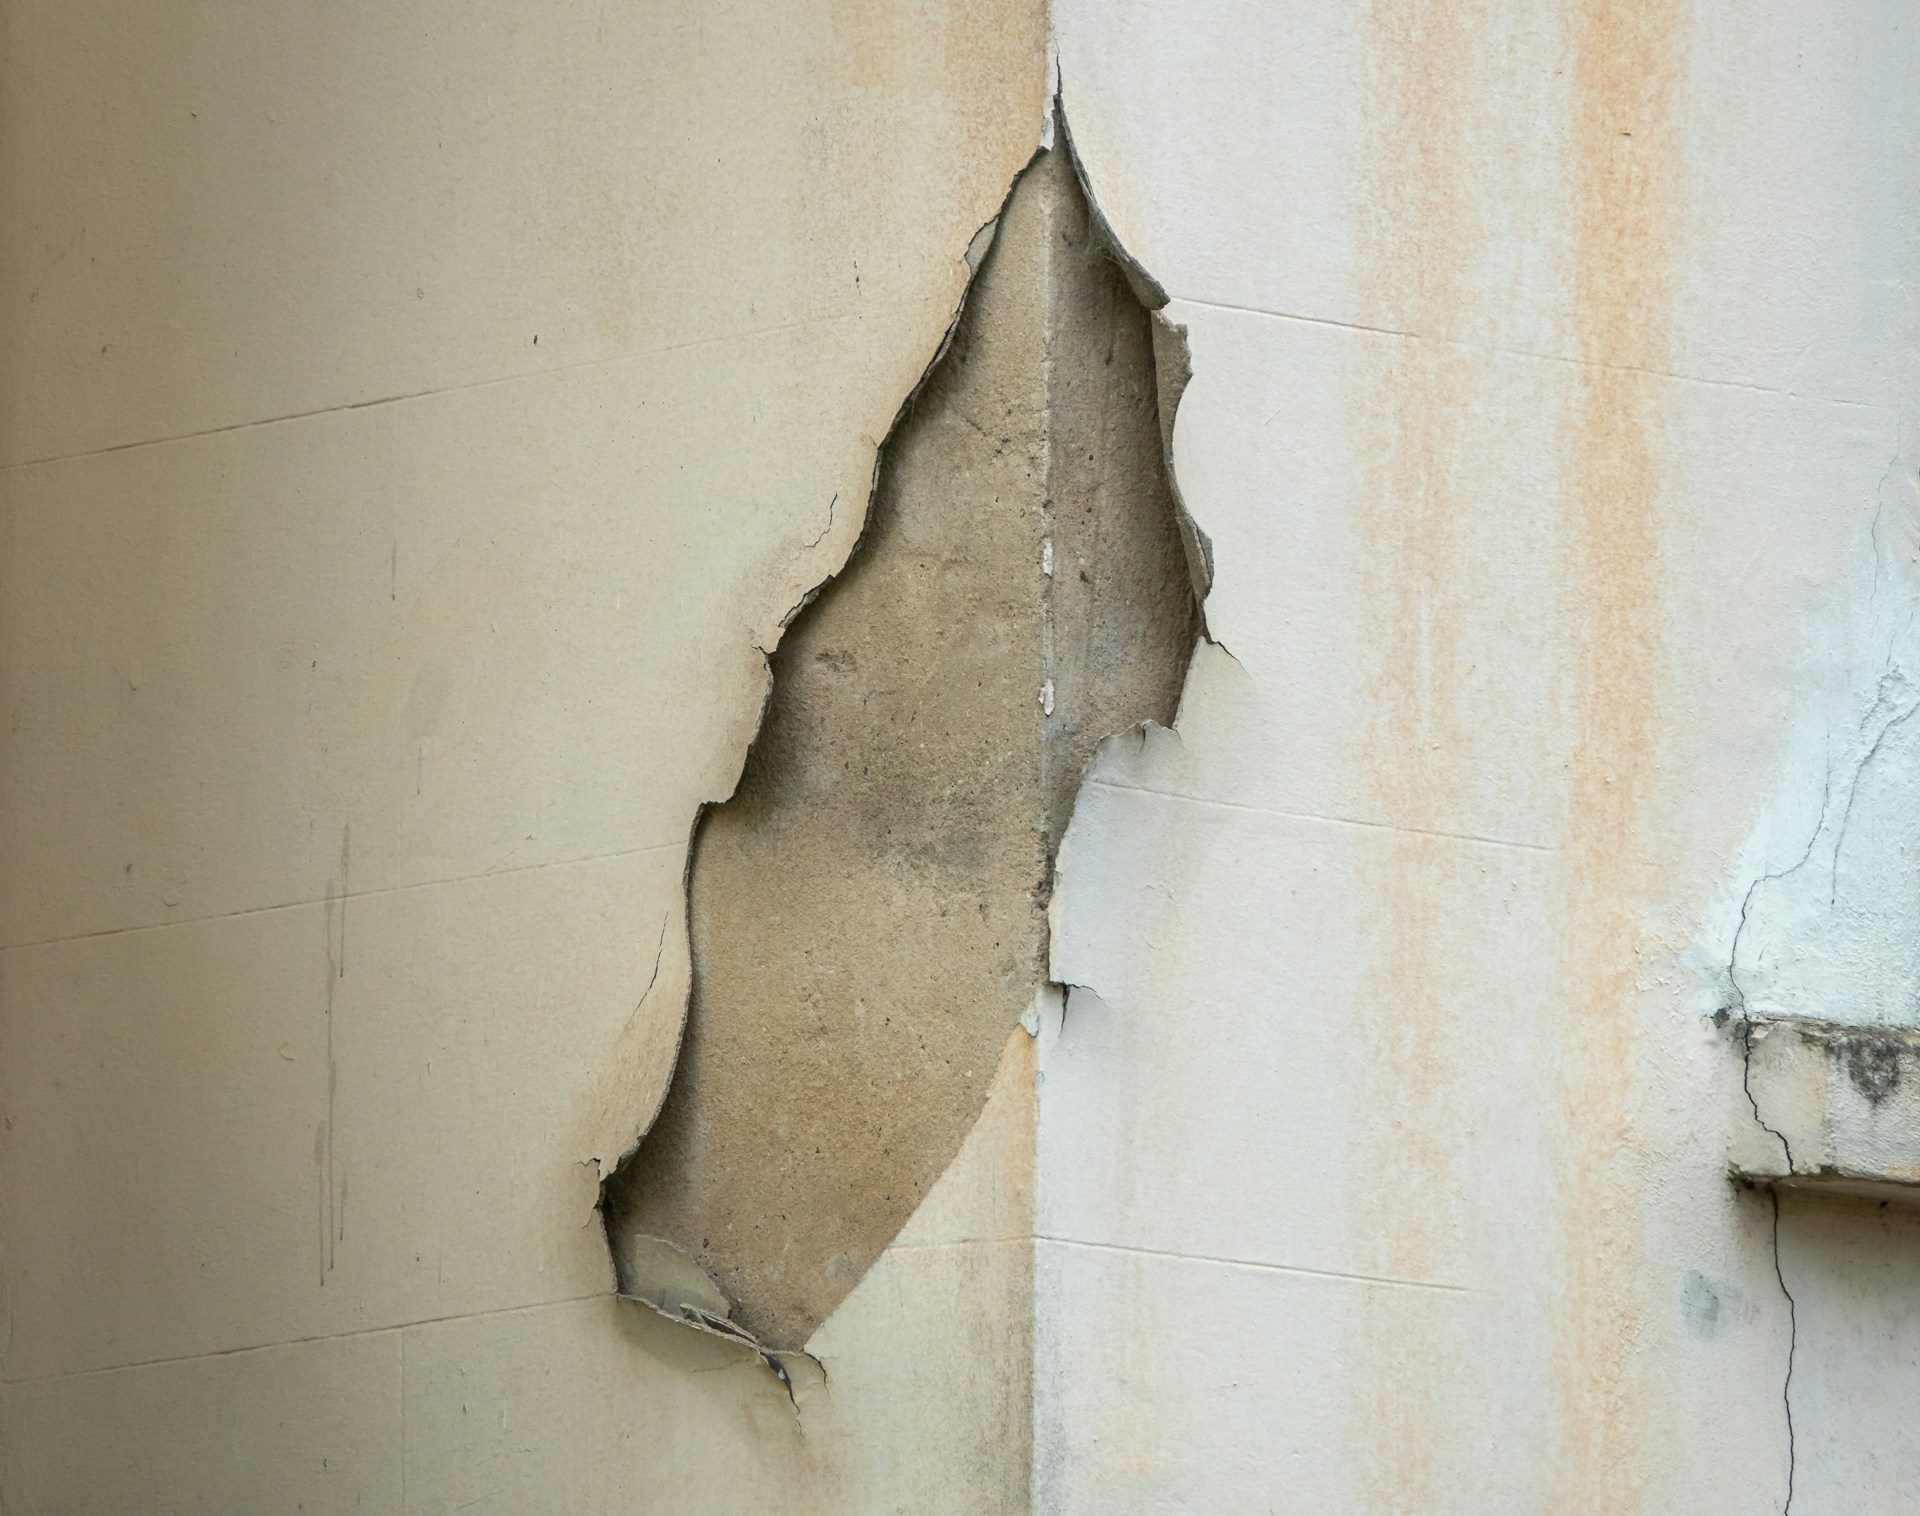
1745	1032
1793	1344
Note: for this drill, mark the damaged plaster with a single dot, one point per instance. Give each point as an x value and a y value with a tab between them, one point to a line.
1822	966
868	911
1545	360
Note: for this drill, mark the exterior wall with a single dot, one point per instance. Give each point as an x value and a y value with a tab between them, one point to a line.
416	418
1552	420
366	660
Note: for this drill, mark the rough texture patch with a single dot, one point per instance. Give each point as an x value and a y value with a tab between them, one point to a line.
1837	1107
868	910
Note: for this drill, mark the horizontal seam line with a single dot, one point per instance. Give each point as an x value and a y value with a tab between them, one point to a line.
297	1342
1261	1267
300	905
956	1242
1372	826
1520	352
745	335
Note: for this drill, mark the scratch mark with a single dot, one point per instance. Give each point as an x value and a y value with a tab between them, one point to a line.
164	1361
335	896
333	1191
1523	353
749	333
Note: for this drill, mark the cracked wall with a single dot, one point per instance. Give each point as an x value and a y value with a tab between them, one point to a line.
1548	362
418	416
868	910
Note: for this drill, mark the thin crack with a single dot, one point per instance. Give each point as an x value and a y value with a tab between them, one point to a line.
825	530
1743	1023
1746	1086
1793	1345
1860	773
1737	1008
1739	1002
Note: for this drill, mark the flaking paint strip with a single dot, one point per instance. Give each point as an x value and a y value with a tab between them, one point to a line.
1173	362
653	1271
669	1288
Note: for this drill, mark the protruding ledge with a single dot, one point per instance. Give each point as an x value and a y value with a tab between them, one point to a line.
1838	1109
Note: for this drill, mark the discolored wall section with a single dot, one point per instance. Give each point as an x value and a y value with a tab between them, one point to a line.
868	911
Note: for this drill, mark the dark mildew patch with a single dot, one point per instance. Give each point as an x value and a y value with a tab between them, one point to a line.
1873	1063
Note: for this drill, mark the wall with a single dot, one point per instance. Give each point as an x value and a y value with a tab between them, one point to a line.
416	419
1551	418
366	661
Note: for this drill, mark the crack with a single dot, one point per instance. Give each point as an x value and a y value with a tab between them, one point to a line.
1793	1345
1739	1002
1745	1034
659	953
1737	1009
825	530
1881	555
1860	772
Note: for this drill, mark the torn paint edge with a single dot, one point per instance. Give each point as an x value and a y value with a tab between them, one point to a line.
713	1325
1172	354
1173	372
1173	369
689	1314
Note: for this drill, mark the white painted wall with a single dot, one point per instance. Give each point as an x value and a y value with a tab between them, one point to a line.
1553	421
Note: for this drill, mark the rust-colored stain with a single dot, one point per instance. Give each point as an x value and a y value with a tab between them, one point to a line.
1413	412
902	62
1623	179
1433	452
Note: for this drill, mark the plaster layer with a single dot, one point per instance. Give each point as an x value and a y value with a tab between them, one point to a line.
868	909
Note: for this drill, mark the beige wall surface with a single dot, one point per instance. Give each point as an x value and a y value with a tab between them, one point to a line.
415	419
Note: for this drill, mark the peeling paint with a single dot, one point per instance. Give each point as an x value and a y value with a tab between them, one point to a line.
868	911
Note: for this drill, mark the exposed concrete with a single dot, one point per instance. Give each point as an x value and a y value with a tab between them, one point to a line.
1838	1108
868	912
